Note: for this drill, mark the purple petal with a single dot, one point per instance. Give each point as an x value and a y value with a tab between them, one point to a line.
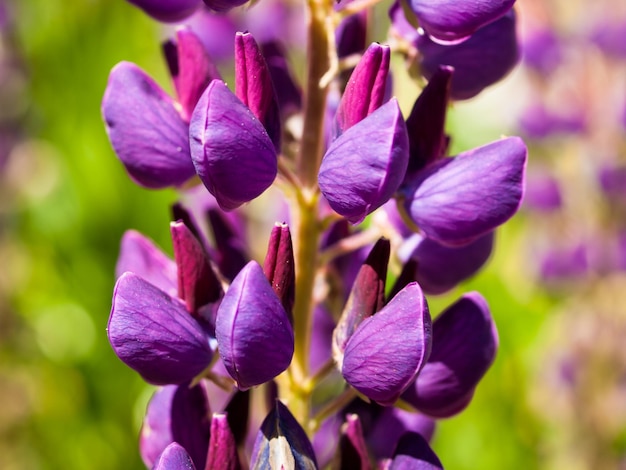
222	6
176	413
484	59
230	148
465	341
288	92
169	11
389	426
364	166
351	34
452	20
174	457
456	200
222	448
384	355
230	247
195	70
147	133
279	266
426	123
365	90
414	453
282	443
253	85
367	295
153	334
139	255
440	267
198	284
253	331
352	451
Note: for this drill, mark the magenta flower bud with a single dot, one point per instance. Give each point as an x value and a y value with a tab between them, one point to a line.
279	266
484	59
282	443
465	341
146	131
231	151
453	21
414	453
254	87
174	457
456	200
253	331
365	90
139	255
176	413
426	123
198	284
366	297
168	11
385	354
154	334
222	447
191	68
364	167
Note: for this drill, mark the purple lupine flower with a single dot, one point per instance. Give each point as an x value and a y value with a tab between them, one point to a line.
169	11
453	21
387	351
414	453
231	150
222	451
282	443
174	457
465	341
279	266
176	413
253	330
480	61
152	333
456	200
359	174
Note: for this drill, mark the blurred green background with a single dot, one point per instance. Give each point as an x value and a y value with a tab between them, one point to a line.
66	401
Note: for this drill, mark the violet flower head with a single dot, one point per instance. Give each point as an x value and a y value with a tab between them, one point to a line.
169	11
453	21
253	330
231	150
456	200
174	457
364	166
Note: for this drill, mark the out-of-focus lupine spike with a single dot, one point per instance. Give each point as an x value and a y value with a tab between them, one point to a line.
231	255
288	92
139	254
154	334
484	59
352	451
453	21
366	297
176	413
191	68
230	149
253	330
364	166
169	11
146	131
282	443
414	453
465	341
222	453
174	457
456	200
254	87
365	90
426	122
279	266
223	6
442	267
198	284
387	351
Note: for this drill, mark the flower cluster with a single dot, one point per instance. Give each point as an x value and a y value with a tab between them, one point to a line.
297	361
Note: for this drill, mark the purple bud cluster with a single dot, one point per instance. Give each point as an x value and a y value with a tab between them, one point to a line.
299	361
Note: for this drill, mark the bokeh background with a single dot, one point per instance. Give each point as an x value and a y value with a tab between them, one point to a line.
556	395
